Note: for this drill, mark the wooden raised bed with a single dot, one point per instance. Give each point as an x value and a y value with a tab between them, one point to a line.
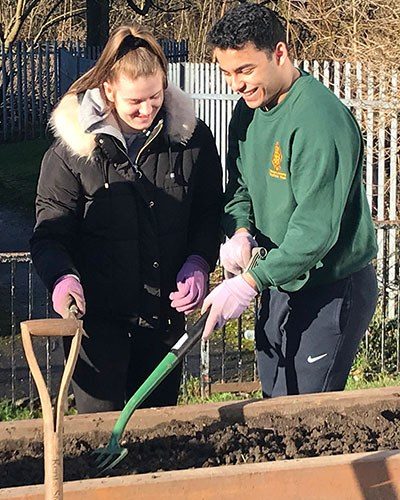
371	475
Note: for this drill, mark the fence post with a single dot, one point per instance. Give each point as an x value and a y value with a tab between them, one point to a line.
4	85
11	87
205	380
18	56
40	85
25	98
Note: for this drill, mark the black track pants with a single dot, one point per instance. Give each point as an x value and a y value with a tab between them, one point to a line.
306	341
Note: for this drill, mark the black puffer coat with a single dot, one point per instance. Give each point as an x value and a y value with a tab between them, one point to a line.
126	229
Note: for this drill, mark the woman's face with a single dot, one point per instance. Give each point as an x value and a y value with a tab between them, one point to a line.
136	102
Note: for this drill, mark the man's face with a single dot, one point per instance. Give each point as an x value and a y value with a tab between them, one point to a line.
136	102
252	73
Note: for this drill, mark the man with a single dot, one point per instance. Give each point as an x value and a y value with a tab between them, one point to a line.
295	187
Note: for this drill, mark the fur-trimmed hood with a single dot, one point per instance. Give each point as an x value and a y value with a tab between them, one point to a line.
78	133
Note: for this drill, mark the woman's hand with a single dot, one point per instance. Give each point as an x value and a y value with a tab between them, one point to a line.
66	291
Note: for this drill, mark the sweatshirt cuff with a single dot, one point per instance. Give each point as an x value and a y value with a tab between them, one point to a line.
263	282
233	226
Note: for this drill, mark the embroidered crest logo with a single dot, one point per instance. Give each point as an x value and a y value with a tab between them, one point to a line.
276	163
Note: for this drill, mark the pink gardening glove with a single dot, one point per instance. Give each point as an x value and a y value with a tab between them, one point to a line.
191	281
227	301
66	290
236	252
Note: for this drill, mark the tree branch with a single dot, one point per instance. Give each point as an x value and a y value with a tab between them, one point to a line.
58	19
51	11
138	10
185	6
18	19
29	9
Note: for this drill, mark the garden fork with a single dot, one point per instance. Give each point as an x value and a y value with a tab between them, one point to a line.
53	423
111	455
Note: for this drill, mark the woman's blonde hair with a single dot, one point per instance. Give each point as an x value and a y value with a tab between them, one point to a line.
131	51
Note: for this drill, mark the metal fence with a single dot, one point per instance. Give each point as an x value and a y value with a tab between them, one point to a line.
23	296
229	357
225	363
33	77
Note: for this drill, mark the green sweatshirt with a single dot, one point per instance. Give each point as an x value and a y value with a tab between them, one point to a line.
295	181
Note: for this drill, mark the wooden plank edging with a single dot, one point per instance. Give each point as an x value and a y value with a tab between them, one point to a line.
374	475
227	411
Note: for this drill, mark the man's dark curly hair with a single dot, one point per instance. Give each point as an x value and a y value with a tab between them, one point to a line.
248	22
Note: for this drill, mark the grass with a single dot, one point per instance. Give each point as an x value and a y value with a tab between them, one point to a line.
20	165
380	380
8	412
20	410
192	395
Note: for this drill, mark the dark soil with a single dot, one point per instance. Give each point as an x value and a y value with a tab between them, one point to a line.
204	443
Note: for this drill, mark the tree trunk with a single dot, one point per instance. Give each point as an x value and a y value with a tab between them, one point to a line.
97	18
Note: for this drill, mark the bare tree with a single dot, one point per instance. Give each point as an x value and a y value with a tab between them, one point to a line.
359	30
33	18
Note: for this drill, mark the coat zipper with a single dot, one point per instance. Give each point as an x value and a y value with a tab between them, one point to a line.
135	164
105	175
149	140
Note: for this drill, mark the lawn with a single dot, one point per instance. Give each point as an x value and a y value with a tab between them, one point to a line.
19	170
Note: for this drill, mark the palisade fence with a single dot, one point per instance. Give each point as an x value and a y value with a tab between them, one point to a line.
229	356
33	76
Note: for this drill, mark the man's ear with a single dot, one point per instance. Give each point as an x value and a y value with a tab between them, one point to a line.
281	53
108	90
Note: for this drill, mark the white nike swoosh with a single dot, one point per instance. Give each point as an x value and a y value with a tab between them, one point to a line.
310	359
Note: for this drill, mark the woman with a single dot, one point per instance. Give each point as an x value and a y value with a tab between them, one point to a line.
128	209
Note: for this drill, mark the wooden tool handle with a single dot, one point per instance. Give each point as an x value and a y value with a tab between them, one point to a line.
52	327
52	424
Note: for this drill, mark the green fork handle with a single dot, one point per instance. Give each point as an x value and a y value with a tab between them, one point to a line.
168	363
148	386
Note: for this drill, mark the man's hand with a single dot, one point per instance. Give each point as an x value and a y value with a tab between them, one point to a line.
227	301
192	284
66	291
236	252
